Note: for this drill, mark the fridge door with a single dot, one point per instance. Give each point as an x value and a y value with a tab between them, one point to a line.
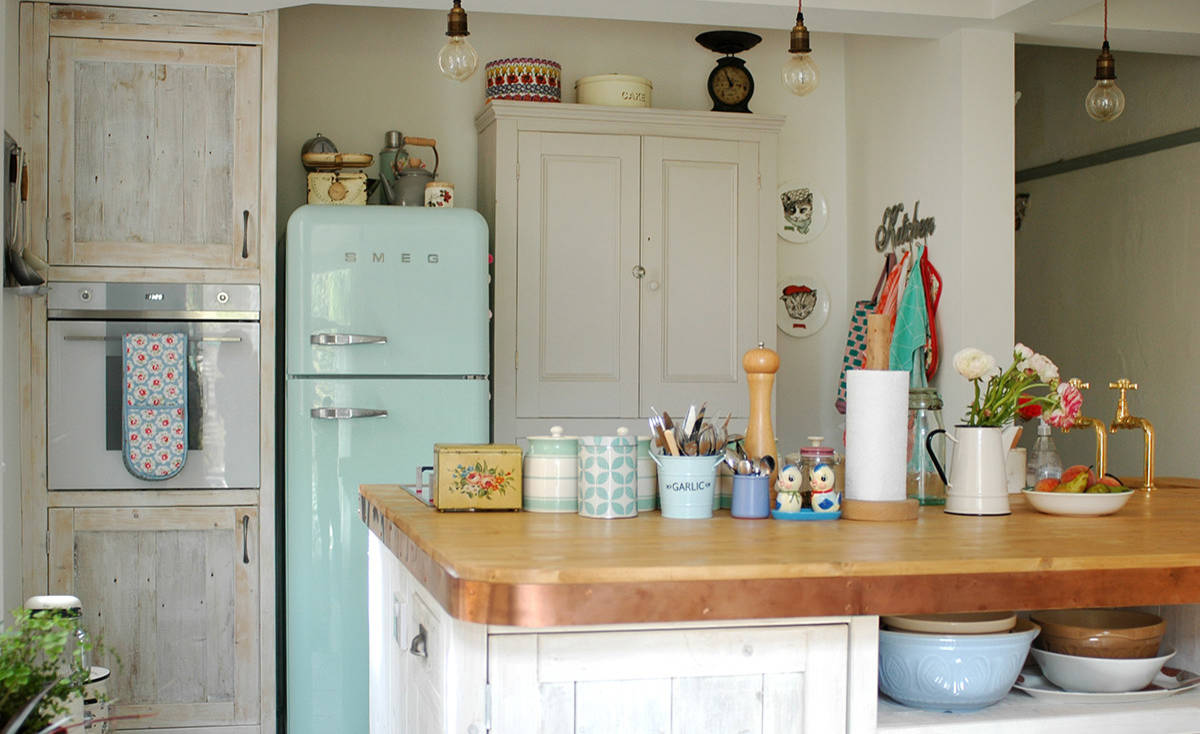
383	290
394	426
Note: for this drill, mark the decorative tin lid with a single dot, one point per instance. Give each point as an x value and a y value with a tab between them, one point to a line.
629	78
556	444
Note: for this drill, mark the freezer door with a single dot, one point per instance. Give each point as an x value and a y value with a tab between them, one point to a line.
386	290
340	434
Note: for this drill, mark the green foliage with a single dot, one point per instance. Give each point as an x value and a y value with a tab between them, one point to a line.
35	650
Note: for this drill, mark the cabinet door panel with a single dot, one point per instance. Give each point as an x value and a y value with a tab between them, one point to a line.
172	595
154	153
700	205
577	298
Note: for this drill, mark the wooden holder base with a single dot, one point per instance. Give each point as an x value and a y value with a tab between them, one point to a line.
894	511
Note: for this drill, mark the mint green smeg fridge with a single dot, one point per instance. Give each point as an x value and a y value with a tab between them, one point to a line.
386	353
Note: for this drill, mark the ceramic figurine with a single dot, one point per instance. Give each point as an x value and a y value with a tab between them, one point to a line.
787	486
823	481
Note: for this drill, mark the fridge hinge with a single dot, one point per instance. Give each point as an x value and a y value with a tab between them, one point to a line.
475	377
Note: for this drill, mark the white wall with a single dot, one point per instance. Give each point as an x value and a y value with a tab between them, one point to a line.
1107	257
933	121
354	73
10	485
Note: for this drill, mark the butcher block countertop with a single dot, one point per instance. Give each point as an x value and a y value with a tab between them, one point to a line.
541	570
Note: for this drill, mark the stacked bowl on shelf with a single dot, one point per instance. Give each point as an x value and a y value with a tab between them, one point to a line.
1100	650
952	662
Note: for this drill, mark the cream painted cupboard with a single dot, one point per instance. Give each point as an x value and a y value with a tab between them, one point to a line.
150	137
635	259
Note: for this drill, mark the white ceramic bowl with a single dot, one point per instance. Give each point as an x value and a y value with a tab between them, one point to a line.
1077	504
1099	675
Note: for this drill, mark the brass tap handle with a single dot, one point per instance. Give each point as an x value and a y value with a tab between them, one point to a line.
1079	384
1122	384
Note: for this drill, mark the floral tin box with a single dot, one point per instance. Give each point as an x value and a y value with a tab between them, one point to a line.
477	476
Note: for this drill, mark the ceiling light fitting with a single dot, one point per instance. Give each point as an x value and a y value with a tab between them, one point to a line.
457	59
1105	102
800	74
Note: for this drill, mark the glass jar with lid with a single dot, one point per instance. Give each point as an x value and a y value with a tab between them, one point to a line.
822	475
924	415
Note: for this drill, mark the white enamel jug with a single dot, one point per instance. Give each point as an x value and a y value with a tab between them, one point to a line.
977	484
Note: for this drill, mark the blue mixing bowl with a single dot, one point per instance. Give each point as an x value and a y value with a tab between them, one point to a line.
952	672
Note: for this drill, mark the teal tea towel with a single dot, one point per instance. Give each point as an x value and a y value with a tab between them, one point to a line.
155	404
912	321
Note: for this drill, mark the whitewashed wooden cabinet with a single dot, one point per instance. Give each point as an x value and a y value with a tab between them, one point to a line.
154	156
172	597
431	673
635	258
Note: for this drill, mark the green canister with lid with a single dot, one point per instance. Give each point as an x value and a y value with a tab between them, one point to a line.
551	473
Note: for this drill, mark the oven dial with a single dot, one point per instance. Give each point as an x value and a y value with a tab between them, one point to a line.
222	297
85	294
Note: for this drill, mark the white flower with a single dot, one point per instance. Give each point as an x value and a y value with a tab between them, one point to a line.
1045	369
1021	355
973	363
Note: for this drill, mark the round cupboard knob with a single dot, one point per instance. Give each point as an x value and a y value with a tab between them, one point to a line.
639	272
653	285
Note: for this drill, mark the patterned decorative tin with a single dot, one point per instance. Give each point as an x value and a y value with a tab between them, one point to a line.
477	476
530	80
608	475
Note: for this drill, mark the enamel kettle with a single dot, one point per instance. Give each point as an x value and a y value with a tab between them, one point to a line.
977	484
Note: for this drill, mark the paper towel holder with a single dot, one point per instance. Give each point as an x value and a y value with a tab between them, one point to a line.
880	511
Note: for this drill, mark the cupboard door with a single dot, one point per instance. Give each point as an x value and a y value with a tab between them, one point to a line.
577	291
172	595
765	680
154	153
699	299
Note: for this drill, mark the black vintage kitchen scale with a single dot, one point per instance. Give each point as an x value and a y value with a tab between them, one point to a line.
730	85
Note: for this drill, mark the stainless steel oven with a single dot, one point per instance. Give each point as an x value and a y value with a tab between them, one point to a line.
85	379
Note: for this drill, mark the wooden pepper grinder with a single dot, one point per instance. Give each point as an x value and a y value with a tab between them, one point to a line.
761	364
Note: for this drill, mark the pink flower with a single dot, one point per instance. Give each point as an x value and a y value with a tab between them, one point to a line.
1069	408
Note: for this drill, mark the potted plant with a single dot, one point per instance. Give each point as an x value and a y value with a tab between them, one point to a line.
41	666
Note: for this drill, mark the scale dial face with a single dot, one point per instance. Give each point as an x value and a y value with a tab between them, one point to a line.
731	85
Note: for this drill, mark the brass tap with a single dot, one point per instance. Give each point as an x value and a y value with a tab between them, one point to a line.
1098	425
1125	420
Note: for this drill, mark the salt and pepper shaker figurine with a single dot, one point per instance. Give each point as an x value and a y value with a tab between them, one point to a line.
825	495
760	365
788	487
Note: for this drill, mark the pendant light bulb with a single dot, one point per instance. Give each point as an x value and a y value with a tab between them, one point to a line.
799	73
457	59
1105	102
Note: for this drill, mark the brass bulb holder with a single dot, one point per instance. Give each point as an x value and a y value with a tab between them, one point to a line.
800	43
1106	65
456	21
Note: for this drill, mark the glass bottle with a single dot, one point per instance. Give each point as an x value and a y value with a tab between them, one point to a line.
1044	461
924	415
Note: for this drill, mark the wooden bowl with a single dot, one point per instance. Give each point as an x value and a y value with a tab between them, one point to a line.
1100	633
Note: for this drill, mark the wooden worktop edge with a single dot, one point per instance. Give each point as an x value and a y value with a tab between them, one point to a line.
549	604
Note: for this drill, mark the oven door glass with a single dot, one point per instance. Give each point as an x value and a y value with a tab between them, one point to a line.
84	366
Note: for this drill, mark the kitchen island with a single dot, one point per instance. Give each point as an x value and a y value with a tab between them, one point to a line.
557	597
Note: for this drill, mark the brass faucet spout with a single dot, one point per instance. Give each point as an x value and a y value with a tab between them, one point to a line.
1098	426
1124	420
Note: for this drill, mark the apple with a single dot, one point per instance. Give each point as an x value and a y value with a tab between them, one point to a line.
1072	471
1048	484
1111	481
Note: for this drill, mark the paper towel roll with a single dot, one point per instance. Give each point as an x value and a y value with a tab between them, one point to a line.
876	434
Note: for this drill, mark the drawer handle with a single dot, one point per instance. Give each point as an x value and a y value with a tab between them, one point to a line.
245	233
338	414
245	538
418	646
343	340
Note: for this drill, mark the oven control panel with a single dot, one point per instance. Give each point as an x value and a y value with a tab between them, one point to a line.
200	301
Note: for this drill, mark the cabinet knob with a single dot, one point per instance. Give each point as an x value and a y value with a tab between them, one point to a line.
653	285
639	272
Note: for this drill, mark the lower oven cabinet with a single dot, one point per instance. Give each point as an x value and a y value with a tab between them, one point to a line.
172	596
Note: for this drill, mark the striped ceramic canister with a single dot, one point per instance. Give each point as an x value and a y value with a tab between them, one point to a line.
647	476
608	475
551	473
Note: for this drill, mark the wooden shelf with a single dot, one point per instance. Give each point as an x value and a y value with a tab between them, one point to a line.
1019	712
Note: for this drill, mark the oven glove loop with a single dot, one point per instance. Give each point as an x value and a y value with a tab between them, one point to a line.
154	408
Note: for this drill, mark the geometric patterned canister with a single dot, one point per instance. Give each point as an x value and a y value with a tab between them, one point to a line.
531	80
608	475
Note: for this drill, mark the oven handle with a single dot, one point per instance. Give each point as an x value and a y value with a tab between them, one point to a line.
343	340
221	339
338	414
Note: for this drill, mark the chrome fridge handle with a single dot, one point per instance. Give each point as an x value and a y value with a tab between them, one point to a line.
338	414
342	340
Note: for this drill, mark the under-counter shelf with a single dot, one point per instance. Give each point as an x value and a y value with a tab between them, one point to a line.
1178	714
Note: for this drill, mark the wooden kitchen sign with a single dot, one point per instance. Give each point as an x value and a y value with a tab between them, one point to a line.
905	232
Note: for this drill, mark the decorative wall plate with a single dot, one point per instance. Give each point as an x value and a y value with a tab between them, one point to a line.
801	305
802	212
